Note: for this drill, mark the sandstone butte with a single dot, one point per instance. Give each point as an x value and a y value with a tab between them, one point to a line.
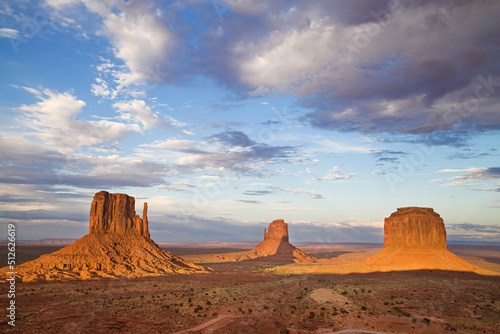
414	239
118	245
276	247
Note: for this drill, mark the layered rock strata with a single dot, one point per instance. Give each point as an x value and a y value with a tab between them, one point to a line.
118	245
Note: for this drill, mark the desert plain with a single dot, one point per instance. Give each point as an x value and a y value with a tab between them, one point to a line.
248	297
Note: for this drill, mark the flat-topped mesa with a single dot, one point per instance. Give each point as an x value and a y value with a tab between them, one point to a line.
278	230
115	213
415	227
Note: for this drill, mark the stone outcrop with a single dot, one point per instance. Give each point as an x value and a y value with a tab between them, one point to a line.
115	213
415	227
118	245
414	239
275	248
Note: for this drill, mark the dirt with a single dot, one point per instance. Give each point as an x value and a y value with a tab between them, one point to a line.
246	298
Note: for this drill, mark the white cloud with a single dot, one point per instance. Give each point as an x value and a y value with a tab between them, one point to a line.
141	41
471	173
8	33
138	111
54	120
334	174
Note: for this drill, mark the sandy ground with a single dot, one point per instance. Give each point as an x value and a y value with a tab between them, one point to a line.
247	298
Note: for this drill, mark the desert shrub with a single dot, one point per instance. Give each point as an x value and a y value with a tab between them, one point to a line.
426	321
363	307
208	302
311	315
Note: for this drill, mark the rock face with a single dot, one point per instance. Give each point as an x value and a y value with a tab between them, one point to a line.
278	231
415	227
275	241
415	239
115	213
118	245
274	248
277	248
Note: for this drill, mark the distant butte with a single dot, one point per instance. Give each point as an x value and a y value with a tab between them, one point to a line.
414	239
275	248
118	245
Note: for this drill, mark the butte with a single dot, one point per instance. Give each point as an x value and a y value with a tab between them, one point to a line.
276	247
414	239
118	245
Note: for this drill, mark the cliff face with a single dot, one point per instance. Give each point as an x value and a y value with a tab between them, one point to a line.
415	227
276	245
277	231
118	245
115	213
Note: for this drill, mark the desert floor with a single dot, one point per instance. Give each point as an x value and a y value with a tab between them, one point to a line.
244	297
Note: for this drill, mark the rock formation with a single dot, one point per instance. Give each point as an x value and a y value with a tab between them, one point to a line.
276	244
415	227
274	248
414	239
115	213
118	245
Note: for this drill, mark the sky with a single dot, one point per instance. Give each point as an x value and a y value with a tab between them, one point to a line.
224	115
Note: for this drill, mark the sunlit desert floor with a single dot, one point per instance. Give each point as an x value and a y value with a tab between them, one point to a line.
244	297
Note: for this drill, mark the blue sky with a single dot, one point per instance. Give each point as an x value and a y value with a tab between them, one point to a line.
226	115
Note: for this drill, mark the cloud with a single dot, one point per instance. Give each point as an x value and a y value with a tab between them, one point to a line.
271	190
471	174
34	163
381	67
54	121
9	33
259	192
250	201
139	112
387	155
227	150
334	174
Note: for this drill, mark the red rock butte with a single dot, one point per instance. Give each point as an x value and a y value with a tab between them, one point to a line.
415	227
275	248
115	213
118	245
276	245
414	239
